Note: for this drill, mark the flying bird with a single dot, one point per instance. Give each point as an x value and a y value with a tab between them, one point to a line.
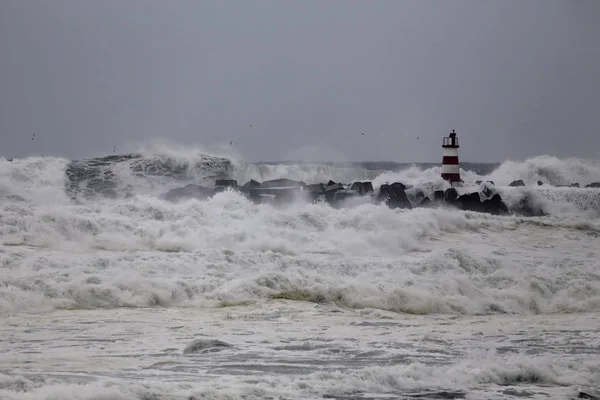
33	137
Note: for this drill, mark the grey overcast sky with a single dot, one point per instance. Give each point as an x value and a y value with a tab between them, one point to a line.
515	78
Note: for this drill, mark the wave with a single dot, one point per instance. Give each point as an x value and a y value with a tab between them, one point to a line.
227	250
155	170
493	375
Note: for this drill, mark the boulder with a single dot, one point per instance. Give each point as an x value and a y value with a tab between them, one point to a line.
438	196
426	203
288	195
526	208
471	202
362	188
451	197
394	196
222	184
575	185
540	183
189	191
330	191
487	192
282	183
314	192
416	196
480	182
252	184
15	197
109	193
517	183
344	194
253	194
495	206
593	185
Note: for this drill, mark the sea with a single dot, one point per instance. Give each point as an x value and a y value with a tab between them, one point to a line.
110	292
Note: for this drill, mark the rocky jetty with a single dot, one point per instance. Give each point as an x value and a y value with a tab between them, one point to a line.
281	191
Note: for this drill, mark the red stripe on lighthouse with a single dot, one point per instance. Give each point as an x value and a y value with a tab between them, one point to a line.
450	160
451	177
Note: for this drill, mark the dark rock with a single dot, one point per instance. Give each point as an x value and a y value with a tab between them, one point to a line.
342	195
487	192
540	183
288	195
417	196
576	184
330	191
451	197
526	208
438	196
425	203
282	183
314	192
317	187
330	183
109	193
226	183
394	196
15	197
252	184
399	185
471	202
362	188
593	185
495	206
478	182
189	191
517	183
253	194
585	395
205	346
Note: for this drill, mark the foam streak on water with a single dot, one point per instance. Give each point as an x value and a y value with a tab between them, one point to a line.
100	296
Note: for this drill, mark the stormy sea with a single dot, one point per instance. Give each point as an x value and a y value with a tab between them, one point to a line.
108	291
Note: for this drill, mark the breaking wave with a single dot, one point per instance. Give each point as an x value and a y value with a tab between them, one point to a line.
62	248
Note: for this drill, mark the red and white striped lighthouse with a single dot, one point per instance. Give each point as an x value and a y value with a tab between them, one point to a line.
450	168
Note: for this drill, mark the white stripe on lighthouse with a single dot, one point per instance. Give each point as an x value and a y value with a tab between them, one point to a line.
450	169
450	152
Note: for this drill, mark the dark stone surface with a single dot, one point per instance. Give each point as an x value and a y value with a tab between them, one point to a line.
495	206
593	185
394	195
362	188
526	208
252	184
280	183
517	183
189	191
470	202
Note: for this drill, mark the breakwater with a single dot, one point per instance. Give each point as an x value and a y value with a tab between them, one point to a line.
337	194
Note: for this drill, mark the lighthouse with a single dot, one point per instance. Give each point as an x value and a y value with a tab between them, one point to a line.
450	168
